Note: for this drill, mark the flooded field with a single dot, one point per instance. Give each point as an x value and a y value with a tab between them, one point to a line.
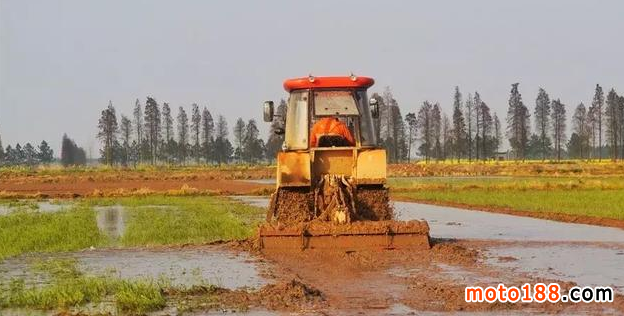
469	248
541	248
186	267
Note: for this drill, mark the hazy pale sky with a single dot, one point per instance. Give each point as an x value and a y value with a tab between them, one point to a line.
62	61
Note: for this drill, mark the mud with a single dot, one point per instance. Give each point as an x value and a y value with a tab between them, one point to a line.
373	203
69	187
289	206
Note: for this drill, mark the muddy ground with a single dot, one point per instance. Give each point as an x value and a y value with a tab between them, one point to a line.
85	186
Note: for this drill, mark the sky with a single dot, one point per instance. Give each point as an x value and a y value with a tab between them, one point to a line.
62	61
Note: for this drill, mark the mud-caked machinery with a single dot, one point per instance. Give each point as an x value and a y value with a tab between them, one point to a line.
331	172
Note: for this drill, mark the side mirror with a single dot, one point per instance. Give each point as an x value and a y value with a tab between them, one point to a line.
374	107
268	111
279	131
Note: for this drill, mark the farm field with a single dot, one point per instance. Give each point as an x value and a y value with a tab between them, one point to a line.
162	241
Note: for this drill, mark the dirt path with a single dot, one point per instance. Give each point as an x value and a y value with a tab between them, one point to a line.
75	187
400	282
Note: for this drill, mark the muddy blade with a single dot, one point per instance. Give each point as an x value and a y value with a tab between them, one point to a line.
354	236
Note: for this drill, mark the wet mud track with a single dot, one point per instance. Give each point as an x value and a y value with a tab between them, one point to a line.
470	248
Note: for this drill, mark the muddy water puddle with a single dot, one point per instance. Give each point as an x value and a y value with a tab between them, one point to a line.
586	265
34	206
450	222
186	267
111	220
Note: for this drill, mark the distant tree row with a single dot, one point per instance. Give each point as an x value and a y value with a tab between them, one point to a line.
26	155
149	137
474	132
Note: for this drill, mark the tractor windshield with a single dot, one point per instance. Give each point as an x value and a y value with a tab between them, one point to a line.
348	107
297	121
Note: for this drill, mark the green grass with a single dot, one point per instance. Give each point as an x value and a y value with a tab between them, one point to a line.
151	220
69	287
25	231
166	220
596	197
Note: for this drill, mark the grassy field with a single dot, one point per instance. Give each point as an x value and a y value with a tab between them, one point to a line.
152	220
69	287
601	197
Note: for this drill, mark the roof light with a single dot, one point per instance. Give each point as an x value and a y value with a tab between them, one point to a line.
353	77
310	78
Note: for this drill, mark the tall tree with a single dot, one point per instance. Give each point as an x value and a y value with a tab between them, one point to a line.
195	131
138	124
498	137
239	138
477	107
169	145
107	133
207	132
470	123
486	131
183	135
425	129
223	147
412	123
558	118
459	126
518	123
152	127
613	123
30	155
46	154
253	146
597	111
447	137
126	138
436	122
580	127
542	124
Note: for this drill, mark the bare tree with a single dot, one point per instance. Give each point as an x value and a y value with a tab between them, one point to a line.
558	118
459	126
195	130
425	129
542	116
207	133
597	111
152	127
126	136
239	138
469	122
412	123
138	124
107	134
518	123
183	135
580	126
613	123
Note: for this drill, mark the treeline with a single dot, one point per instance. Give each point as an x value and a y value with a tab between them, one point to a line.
28	155
474	132
153	136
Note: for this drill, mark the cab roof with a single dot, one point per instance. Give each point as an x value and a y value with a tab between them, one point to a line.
312	82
